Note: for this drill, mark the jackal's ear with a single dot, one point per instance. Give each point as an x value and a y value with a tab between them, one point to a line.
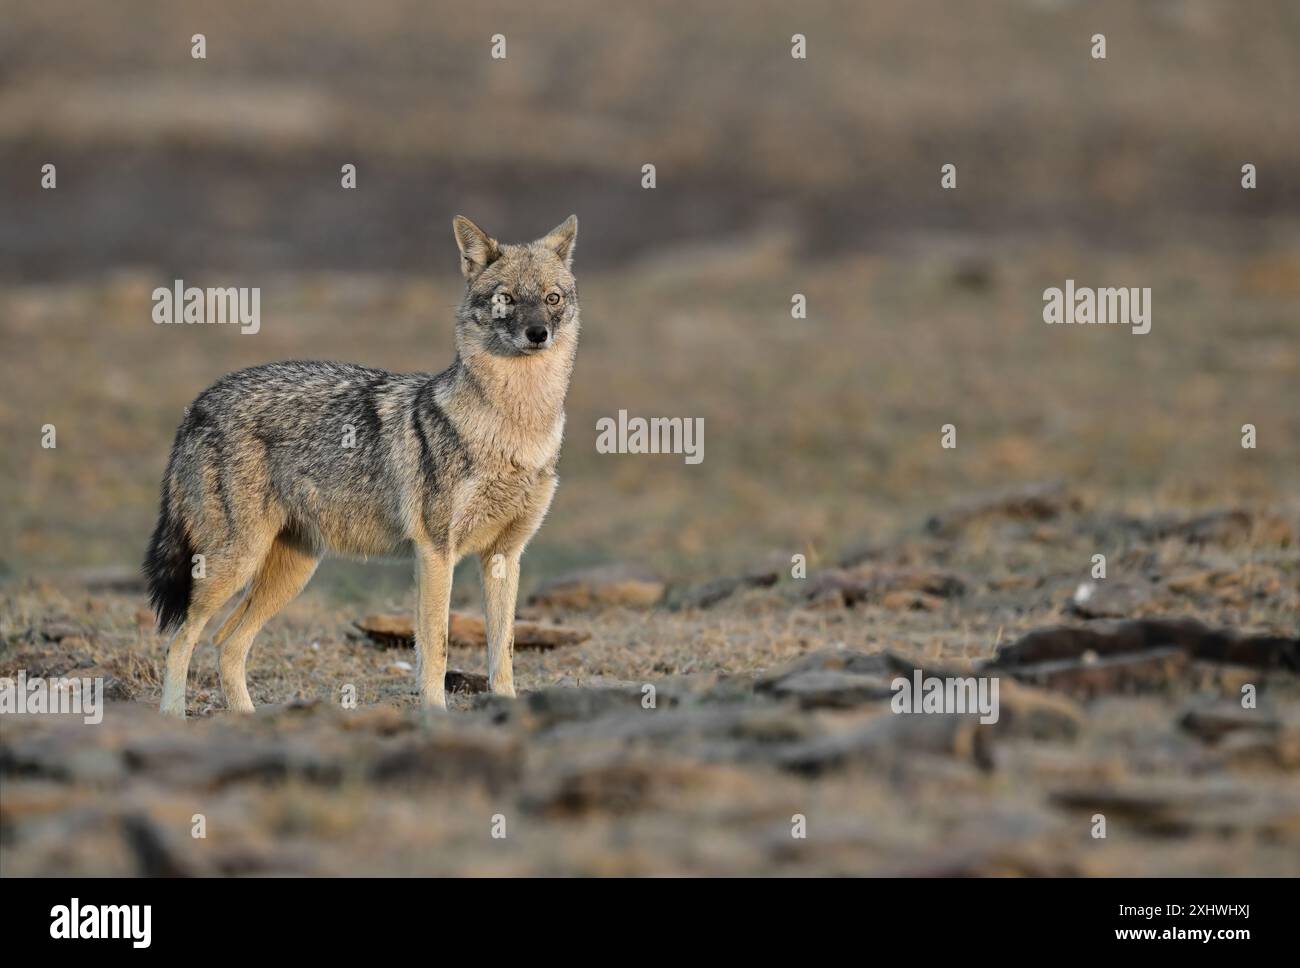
560	239
478	250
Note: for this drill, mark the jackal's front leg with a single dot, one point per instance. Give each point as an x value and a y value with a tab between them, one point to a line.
500	571
433	570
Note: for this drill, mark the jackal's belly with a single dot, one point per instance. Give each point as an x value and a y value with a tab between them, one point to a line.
348	523
362	538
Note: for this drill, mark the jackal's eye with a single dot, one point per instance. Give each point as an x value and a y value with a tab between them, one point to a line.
553	299
501	305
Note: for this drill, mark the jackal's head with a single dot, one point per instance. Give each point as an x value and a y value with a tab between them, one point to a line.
520	300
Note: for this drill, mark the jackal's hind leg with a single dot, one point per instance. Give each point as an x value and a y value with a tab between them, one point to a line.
178	660
210	593
283	574
227	569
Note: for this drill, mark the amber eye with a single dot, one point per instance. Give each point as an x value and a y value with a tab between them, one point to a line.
553	299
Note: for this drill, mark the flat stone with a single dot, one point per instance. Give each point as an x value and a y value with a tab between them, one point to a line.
1197	640
469	631
602	587
829	688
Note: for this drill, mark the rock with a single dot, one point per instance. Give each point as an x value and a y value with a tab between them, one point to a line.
847	679
829	688
1029	713
479	756
388	630
877	664
1198	641
468	682
151	846
1213	722
602	587
1256	651
1033	502
1271	749
888	738
594	682
469	631
221	759
623	785
893	588
1109	599
710	593
695	730
549	707
51	756
911	601
1089	676
1170	807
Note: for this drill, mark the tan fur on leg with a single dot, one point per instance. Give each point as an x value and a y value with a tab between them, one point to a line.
433	571
500	575
283	574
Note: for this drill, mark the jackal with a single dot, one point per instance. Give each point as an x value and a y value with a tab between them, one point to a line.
277	465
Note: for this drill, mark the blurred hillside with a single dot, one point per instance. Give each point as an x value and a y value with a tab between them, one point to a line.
233	161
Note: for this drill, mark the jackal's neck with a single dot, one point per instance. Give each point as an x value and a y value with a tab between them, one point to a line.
526	393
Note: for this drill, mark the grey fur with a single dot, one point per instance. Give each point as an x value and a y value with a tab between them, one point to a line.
261	482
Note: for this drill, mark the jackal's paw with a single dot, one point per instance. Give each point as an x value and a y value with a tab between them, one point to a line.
438	701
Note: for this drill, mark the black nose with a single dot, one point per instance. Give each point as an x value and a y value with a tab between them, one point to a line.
536	334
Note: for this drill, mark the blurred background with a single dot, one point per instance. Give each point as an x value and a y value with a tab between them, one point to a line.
775	176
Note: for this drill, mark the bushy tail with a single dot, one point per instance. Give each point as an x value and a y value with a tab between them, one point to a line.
167	568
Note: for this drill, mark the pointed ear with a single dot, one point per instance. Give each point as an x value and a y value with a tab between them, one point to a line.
560	239
478	250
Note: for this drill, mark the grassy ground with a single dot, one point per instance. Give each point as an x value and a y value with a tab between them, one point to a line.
587	780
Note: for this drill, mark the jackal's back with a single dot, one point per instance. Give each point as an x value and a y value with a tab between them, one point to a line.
342	456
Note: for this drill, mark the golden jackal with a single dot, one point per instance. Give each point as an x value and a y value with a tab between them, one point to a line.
276	465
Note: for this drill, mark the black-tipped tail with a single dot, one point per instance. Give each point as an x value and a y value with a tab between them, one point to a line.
167	569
